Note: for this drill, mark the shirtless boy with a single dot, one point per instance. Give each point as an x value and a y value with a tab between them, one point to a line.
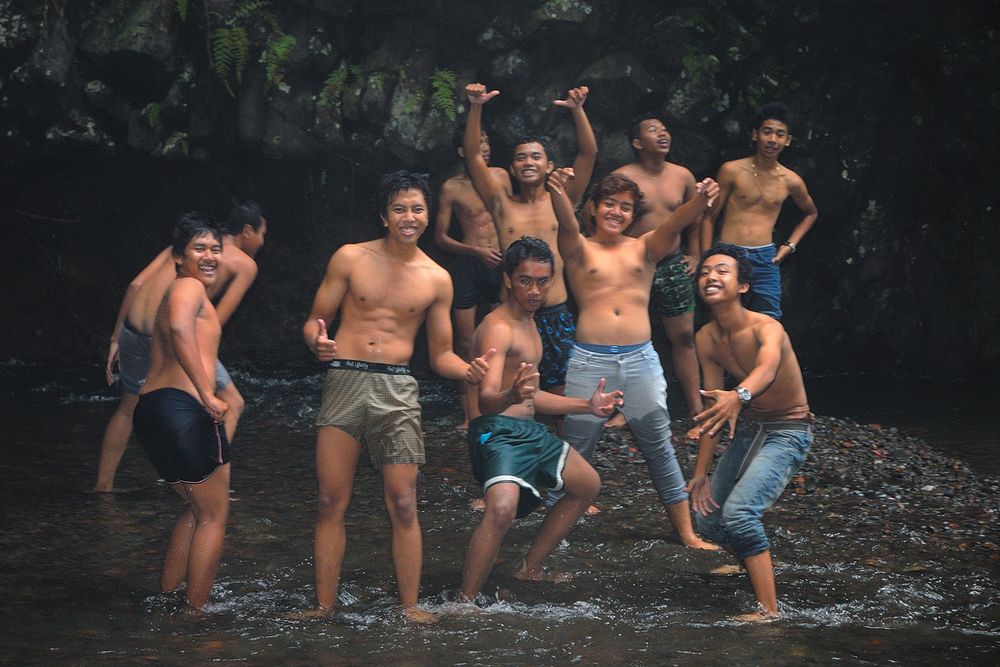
514	457
753	190
131	342
384	290
529	213
476	271
665	186
773	437
177	414
611	275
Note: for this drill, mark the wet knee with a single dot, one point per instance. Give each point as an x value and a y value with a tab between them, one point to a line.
500	514
402	508
586	489
331	506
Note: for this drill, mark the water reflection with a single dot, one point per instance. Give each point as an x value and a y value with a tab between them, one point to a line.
865	575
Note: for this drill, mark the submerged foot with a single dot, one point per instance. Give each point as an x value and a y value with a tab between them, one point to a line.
727	570
759	616
522	572
318	612
415	614
592	510
693	433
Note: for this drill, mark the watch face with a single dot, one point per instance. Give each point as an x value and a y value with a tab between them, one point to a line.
744	394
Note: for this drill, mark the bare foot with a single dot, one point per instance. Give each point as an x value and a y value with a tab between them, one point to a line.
617	420
544	574
727	570
592	510
478	504
114	490
463	427
417	615
318	612
695	542
693	433
760	616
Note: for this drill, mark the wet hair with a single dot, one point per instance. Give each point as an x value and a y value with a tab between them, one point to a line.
536	139
744	271
635	129
613	184
394	183
527	247
243	212
189	226
775	111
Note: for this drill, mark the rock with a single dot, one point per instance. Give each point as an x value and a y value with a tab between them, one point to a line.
619	82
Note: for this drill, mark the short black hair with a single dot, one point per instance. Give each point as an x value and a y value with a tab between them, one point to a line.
458	136
243	212
394	183
775	111
744	270
527	247
536	139
189	226
635	129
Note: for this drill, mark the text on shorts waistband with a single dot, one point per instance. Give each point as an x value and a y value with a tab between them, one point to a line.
371	367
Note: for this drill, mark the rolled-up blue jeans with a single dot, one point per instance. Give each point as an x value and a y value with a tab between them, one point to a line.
765	286
744	499
638	373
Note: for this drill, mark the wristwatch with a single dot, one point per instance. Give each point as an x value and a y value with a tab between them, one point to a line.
744	395
791	246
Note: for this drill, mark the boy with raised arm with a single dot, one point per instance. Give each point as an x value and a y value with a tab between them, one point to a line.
131	340
383	290
529	213
514	457
475	266
753	190
610	275
771	439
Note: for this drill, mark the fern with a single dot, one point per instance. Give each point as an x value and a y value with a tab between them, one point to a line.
443	97
152	112
230	52
275	54
182	9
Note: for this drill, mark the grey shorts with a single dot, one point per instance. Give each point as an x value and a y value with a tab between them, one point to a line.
134	348
378	409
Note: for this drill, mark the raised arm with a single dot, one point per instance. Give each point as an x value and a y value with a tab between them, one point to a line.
570	239
160	263
586	143
800	195
327	302
486	186
665	238
727	177
246	274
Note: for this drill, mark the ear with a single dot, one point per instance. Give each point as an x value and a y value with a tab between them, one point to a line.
743	288
789	142
636	144
551	166
247	230
461	152
753	134
506	281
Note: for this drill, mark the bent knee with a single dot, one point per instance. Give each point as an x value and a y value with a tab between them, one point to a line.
500	515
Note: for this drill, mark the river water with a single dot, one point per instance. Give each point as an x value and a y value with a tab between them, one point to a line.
870	572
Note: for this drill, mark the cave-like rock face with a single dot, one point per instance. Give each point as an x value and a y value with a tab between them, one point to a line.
116	115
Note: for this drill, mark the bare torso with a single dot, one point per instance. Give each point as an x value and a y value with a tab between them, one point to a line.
386	302
473	217
786	397
611	284
164	368
525	347
143	308
662	193
754	202
536	218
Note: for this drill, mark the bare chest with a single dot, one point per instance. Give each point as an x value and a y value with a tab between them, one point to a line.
766	190
621	265
528	220
391	291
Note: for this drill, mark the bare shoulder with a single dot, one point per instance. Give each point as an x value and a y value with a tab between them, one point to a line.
706	335
793	179
765	326
732	167
631	170
680	173
186	288
239	261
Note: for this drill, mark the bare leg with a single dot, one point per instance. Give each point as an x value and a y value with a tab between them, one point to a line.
336	459
175	563
582	486
465	331
231	395
400	488
761	572
210	506
680	519
114	442
680	333
501	508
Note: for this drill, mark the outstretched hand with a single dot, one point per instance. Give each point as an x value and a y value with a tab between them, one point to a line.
477	93
725	409
559	179
525	384
708	189
324	348
699	490
479	366
602	404
574	98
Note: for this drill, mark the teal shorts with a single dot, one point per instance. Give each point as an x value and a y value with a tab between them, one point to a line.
519	451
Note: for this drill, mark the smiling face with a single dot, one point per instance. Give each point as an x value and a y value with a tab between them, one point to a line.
614	213
529	283
201	258
772	137
718	279
406	216
530	164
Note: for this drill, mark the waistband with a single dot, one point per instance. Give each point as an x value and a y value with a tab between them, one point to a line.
748	247
128	325
611	349
789	425
548	310
370	367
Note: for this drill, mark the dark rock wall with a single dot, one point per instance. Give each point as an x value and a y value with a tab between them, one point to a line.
116	115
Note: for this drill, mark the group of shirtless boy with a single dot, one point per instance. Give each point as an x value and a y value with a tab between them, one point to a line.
520	236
